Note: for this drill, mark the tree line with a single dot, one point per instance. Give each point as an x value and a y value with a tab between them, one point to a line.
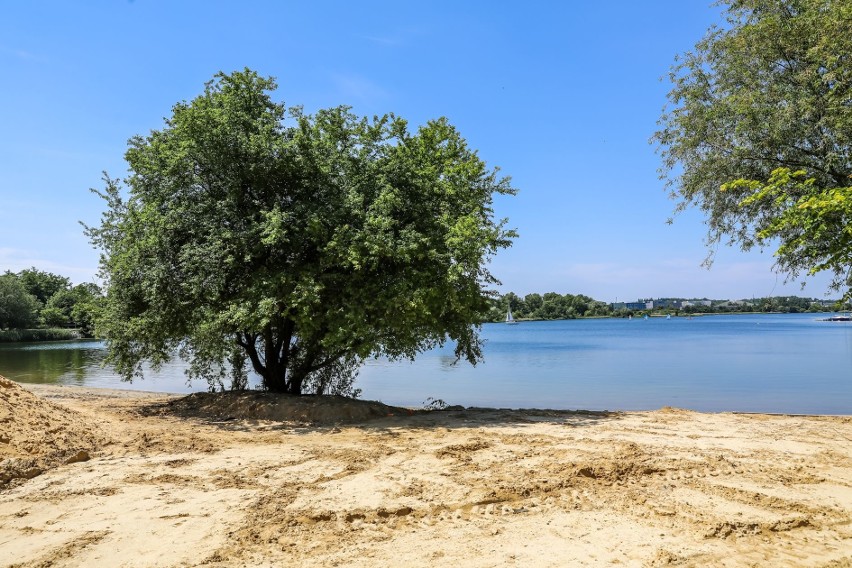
555	306
36	299
548	306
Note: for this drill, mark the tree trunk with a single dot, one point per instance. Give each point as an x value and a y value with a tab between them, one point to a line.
271	356
275	382
295	386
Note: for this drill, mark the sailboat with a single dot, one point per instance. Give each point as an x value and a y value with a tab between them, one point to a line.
509	319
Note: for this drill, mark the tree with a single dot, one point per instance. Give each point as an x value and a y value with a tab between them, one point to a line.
18	308
813	225
43	285
89	298
296	244
759	131
581	304
512	301
73	306
53	317
599	309
533	303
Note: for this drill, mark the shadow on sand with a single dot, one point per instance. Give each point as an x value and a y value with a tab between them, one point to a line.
258	410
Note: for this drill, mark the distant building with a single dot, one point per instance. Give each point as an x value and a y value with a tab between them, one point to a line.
645	304
665	303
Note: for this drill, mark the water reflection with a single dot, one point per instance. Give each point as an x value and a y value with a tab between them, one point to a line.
82	363
65	362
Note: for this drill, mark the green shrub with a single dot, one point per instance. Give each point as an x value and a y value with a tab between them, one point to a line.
47	334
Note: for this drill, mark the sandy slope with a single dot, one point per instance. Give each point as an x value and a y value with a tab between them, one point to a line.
462	488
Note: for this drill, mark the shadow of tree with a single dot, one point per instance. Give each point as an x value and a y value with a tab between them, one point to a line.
258	410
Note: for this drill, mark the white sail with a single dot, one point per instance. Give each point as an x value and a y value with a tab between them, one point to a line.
509	319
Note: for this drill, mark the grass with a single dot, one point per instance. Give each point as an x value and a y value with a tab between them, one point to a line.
46	334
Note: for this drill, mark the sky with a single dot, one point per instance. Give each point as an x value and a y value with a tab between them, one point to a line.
561	96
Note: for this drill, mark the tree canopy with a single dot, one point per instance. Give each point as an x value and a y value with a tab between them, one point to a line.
73	307
42	284
18	308
758	131
550	306
34	297
251	234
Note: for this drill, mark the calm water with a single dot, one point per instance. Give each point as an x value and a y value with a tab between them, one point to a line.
760	363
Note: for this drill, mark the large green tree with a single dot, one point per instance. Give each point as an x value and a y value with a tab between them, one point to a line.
42	284
758	131
249	233
18	308
73	307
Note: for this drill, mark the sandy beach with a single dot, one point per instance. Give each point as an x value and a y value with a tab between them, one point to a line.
117	478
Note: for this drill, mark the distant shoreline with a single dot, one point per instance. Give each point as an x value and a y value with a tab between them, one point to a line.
39	334
640	315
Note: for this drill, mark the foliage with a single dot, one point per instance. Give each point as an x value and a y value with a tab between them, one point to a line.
53	317
73	307
815	228
773	304
537	307
338	378
770	90
42	334
43	285
299	245
64	306
550	306
18	308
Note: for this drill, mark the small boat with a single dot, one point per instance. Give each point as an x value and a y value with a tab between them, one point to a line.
509	319
839	318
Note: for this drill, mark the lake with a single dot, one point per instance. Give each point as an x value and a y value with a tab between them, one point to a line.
789	363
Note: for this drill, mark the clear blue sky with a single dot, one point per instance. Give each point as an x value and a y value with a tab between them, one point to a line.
562	96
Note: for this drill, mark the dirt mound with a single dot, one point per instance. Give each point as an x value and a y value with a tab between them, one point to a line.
36	435
258	405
